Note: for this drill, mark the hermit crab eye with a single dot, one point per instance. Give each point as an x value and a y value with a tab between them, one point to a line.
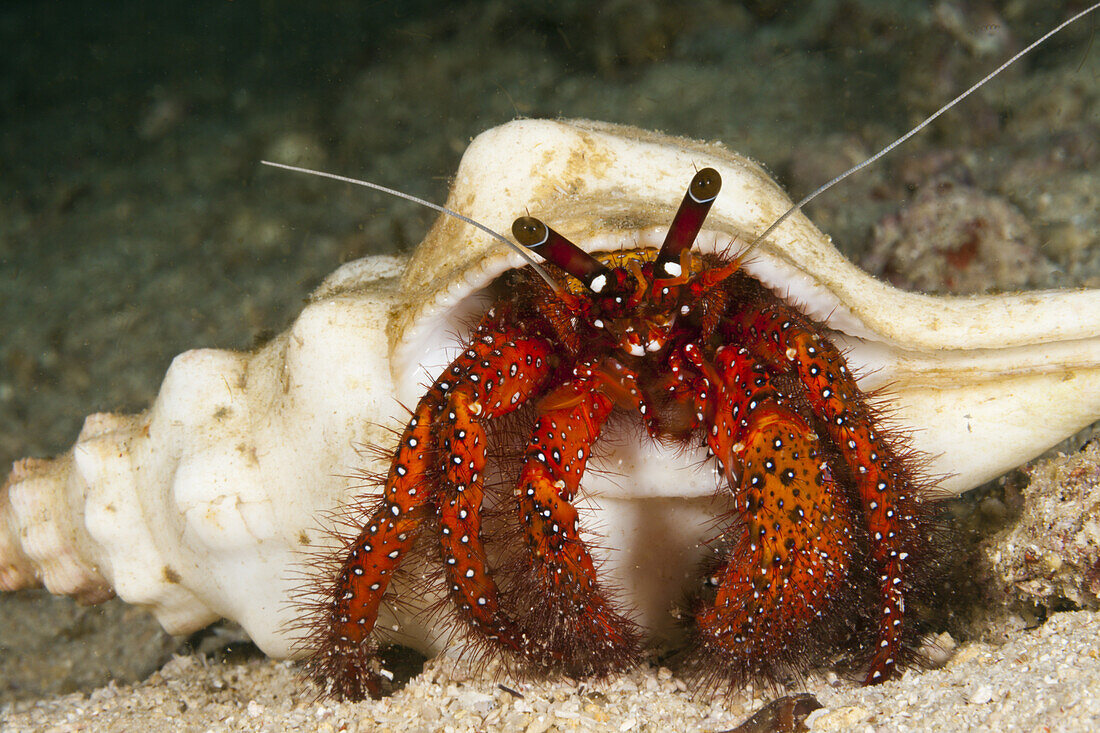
705	186
557	250
530	232
685	226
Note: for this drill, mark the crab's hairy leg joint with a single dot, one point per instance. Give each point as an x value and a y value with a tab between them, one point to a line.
579	629
492	378
899	523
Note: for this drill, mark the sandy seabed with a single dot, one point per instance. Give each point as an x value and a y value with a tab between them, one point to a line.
1046	678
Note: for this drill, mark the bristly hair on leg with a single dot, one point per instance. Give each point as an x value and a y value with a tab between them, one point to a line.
841	635
334	535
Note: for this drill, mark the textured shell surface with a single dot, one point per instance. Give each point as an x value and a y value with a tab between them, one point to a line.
197	508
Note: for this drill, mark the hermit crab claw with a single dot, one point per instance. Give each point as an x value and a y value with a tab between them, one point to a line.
202	506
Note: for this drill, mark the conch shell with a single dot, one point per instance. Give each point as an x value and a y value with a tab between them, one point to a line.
202	506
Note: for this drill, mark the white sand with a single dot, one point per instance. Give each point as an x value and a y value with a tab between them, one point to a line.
1046	678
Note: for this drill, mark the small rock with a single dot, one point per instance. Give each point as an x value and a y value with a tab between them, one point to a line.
843	718
478	702
939	649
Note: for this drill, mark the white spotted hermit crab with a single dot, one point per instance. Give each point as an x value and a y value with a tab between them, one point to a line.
198	507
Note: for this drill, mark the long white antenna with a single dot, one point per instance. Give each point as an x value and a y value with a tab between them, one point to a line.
441	209
919	127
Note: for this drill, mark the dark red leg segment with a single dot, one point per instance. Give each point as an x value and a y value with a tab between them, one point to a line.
571	624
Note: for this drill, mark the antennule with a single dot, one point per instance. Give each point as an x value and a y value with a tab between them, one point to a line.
921	126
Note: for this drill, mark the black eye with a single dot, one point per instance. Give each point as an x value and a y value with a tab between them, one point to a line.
705	186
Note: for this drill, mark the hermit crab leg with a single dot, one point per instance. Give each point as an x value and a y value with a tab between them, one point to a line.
787	564
575	625
344	652
493	377
899	527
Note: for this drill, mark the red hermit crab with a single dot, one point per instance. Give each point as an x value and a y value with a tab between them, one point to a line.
828	528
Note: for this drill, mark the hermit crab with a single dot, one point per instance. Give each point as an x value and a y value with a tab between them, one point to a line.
825	503
202	506
557	460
